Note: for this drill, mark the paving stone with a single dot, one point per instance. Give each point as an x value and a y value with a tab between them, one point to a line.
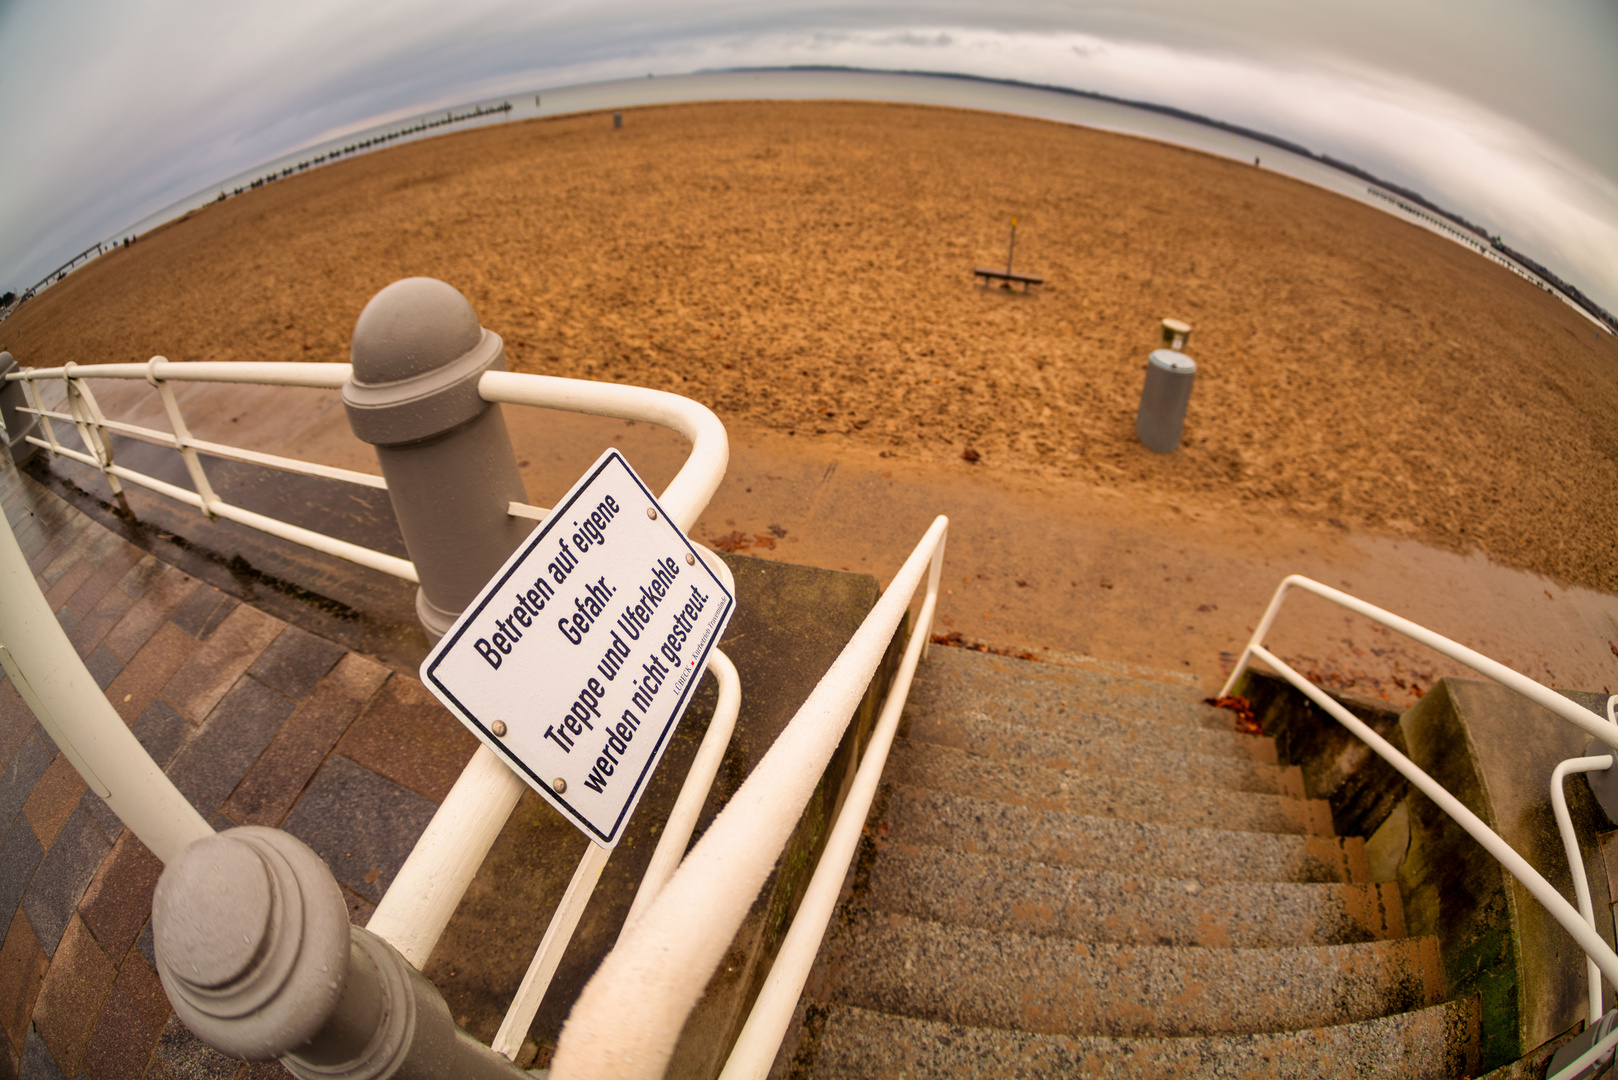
47	555
263	1070
137	686
362	824
69	557
16	719
76	986
103	617
103	666
203	611
230	649
68	621
28	764
360	909
162	731
113	567
162	596
110	824
187	1057
146	944
293	756
31	537
118	902
76	574
22	973
295	661
407	736
127	1031
53	799
100	544
235	734
37	1062
357	676
20	857
63	875
140	577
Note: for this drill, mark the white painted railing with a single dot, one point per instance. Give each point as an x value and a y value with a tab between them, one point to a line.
429	886
684	499
628	1019
1578	922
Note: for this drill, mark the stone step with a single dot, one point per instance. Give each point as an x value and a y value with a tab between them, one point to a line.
1166	802
949	683
1112	746
961	664
1061	725
988	893
849	1042
958	975
985	826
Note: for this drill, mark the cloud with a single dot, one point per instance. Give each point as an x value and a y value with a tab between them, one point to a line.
140	105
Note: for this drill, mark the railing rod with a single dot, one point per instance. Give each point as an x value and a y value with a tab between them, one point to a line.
233	453
429	886
1575	860
626	1022
682	820
329	545
760	1041
688	493
256	372
1573	713
548	957
1563	912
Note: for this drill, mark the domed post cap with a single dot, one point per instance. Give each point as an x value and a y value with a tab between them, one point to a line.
418	352
252	941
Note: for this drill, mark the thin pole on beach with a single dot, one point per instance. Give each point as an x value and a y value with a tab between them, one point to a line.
1013	249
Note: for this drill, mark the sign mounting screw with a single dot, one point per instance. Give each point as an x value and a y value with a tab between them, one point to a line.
499	728
559	785
651	512
690	559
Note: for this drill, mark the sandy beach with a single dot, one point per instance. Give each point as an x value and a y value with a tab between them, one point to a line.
805	269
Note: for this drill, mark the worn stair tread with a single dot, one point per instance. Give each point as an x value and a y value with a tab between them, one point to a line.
1066	668
1034	697
960	975
989	893
850	1042
1168	801
985	826
1117	748
1062	724
951	683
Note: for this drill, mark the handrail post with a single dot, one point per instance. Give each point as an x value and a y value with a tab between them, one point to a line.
418	353
258	958
13	397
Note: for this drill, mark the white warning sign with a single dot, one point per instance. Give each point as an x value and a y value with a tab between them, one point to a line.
578	659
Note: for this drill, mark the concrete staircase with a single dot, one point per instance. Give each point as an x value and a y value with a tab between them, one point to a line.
1077	872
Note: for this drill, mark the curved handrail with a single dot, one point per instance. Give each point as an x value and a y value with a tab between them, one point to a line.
1543	696
627	1020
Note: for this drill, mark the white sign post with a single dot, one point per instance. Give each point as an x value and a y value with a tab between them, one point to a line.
578	659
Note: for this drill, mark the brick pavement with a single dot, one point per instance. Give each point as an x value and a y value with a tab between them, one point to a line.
256	721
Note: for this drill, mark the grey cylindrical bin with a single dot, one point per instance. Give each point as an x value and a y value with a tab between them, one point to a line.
1163	400
418	354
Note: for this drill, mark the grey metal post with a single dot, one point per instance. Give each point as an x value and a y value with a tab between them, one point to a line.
1164	398
258	958
18	425
418	353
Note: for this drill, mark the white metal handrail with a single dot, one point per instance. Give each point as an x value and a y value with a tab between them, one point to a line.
629	1017
1580	925
429	886
686	496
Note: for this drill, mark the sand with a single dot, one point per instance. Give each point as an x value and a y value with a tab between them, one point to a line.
805	269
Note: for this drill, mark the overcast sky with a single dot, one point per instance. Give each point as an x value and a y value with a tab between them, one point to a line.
1503	110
